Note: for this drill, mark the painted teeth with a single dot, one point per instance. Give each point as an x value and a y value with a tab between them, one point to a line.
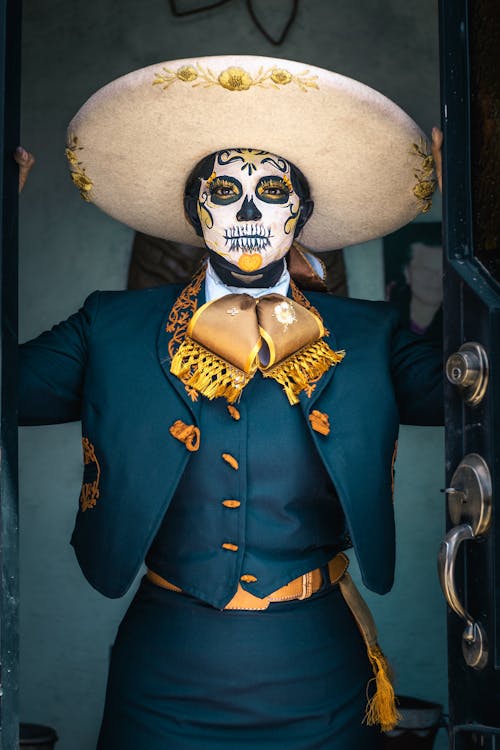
248	231
248	243
248	237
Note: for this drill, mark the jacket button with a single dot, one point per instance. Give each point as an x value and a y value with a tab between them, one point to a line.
231	547
248	578
231	503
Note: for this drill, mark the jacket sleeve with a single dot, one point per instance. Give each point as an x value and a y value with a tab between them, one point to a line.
417	371
52	369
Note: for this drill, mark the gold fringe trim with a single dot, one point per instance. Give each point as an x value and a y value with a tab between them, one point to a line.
381	708
201	369
296	372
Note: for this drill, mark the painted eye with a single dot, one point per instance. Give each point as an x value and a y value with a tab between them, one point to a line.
273	190
225	190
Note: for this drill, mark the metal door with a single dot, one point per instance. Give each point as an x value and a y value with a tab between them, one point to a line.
469	559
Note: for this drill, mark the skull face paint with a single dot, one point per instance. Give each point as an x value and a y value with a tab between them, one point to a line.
248	208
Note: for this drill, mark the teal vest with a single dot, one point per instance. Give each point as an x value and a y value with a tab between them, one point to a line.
288	520
109	365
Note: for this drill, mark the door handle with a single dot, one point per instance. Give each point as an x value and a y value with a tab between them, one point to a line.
447	558
474	641
469	501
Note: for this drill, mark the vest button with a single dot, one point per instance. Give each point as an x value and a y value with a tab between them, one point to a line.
231	460
248	578
231	503
231	547
233	412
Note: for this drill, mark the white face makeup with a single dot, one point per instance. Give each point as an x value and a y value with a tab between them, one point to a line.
248	208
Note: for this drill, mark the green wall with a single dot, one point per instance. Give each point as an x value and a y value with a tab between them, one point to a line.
69	249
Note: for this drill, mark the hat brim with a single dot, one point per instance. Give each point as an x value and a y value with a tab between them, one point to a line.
133	144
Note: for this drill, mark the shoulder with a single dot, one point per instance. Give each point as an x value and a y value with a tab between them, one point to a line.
129	302
353	312
139	297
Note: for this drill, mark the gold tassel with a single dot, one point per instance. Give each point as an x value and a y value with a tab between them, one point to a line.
381	708
205	372
296	372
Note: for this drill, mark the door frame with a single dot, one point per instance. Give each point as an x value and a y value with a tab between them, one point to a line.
10	64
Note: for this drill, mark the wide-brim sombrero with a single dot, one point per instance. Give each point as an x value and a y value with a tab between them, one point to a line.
133	144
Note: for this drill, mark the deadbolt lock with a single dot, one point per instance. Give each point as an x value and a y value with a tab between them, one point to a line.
468	369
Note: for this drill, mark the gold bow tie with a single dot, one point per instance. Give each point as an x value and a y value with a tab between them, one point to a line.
229	339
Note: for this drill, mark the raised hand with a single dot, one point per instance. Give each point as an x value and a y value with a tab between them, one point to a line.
25	161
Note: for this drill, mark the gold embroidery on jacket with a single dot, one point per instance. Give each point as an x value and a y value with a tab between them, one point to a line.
90	490
301	299
319	422
180	315
188	434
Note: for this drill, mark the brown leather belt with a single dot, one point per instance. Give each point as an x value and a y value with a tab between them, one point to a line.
300	588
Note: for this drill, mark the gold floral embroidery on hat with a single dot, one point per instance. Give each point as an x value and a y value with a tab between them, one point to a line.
426	184
90	490
235	78
80	178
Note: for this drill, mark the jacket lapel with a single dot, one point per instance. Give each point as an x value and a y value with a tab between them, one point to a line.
171	335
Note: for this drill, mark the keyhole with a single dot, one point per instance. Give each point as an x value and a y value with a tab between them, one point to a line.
456	373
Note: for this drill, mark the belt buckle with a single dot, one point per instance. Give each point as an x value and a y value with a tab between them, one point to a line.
306	585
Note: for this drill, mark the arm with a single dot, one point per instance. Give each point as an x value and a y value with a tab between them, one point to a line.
417	362
52	369
417	372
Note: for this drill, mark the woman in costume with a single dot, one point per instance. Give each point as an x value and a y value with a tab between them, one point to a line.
238	434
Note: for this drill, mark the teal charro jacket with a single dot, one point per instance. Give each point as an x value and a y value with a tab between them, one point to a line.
109	366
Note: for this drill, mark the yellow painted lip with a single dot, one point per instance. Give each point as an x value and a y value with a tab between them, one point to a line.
250	261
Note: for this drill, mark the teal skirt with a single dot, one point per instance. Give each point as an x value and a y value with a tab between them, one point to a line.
187	676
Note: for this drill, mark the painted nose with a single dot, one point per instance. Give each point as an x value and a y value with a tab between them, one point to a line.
248	211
